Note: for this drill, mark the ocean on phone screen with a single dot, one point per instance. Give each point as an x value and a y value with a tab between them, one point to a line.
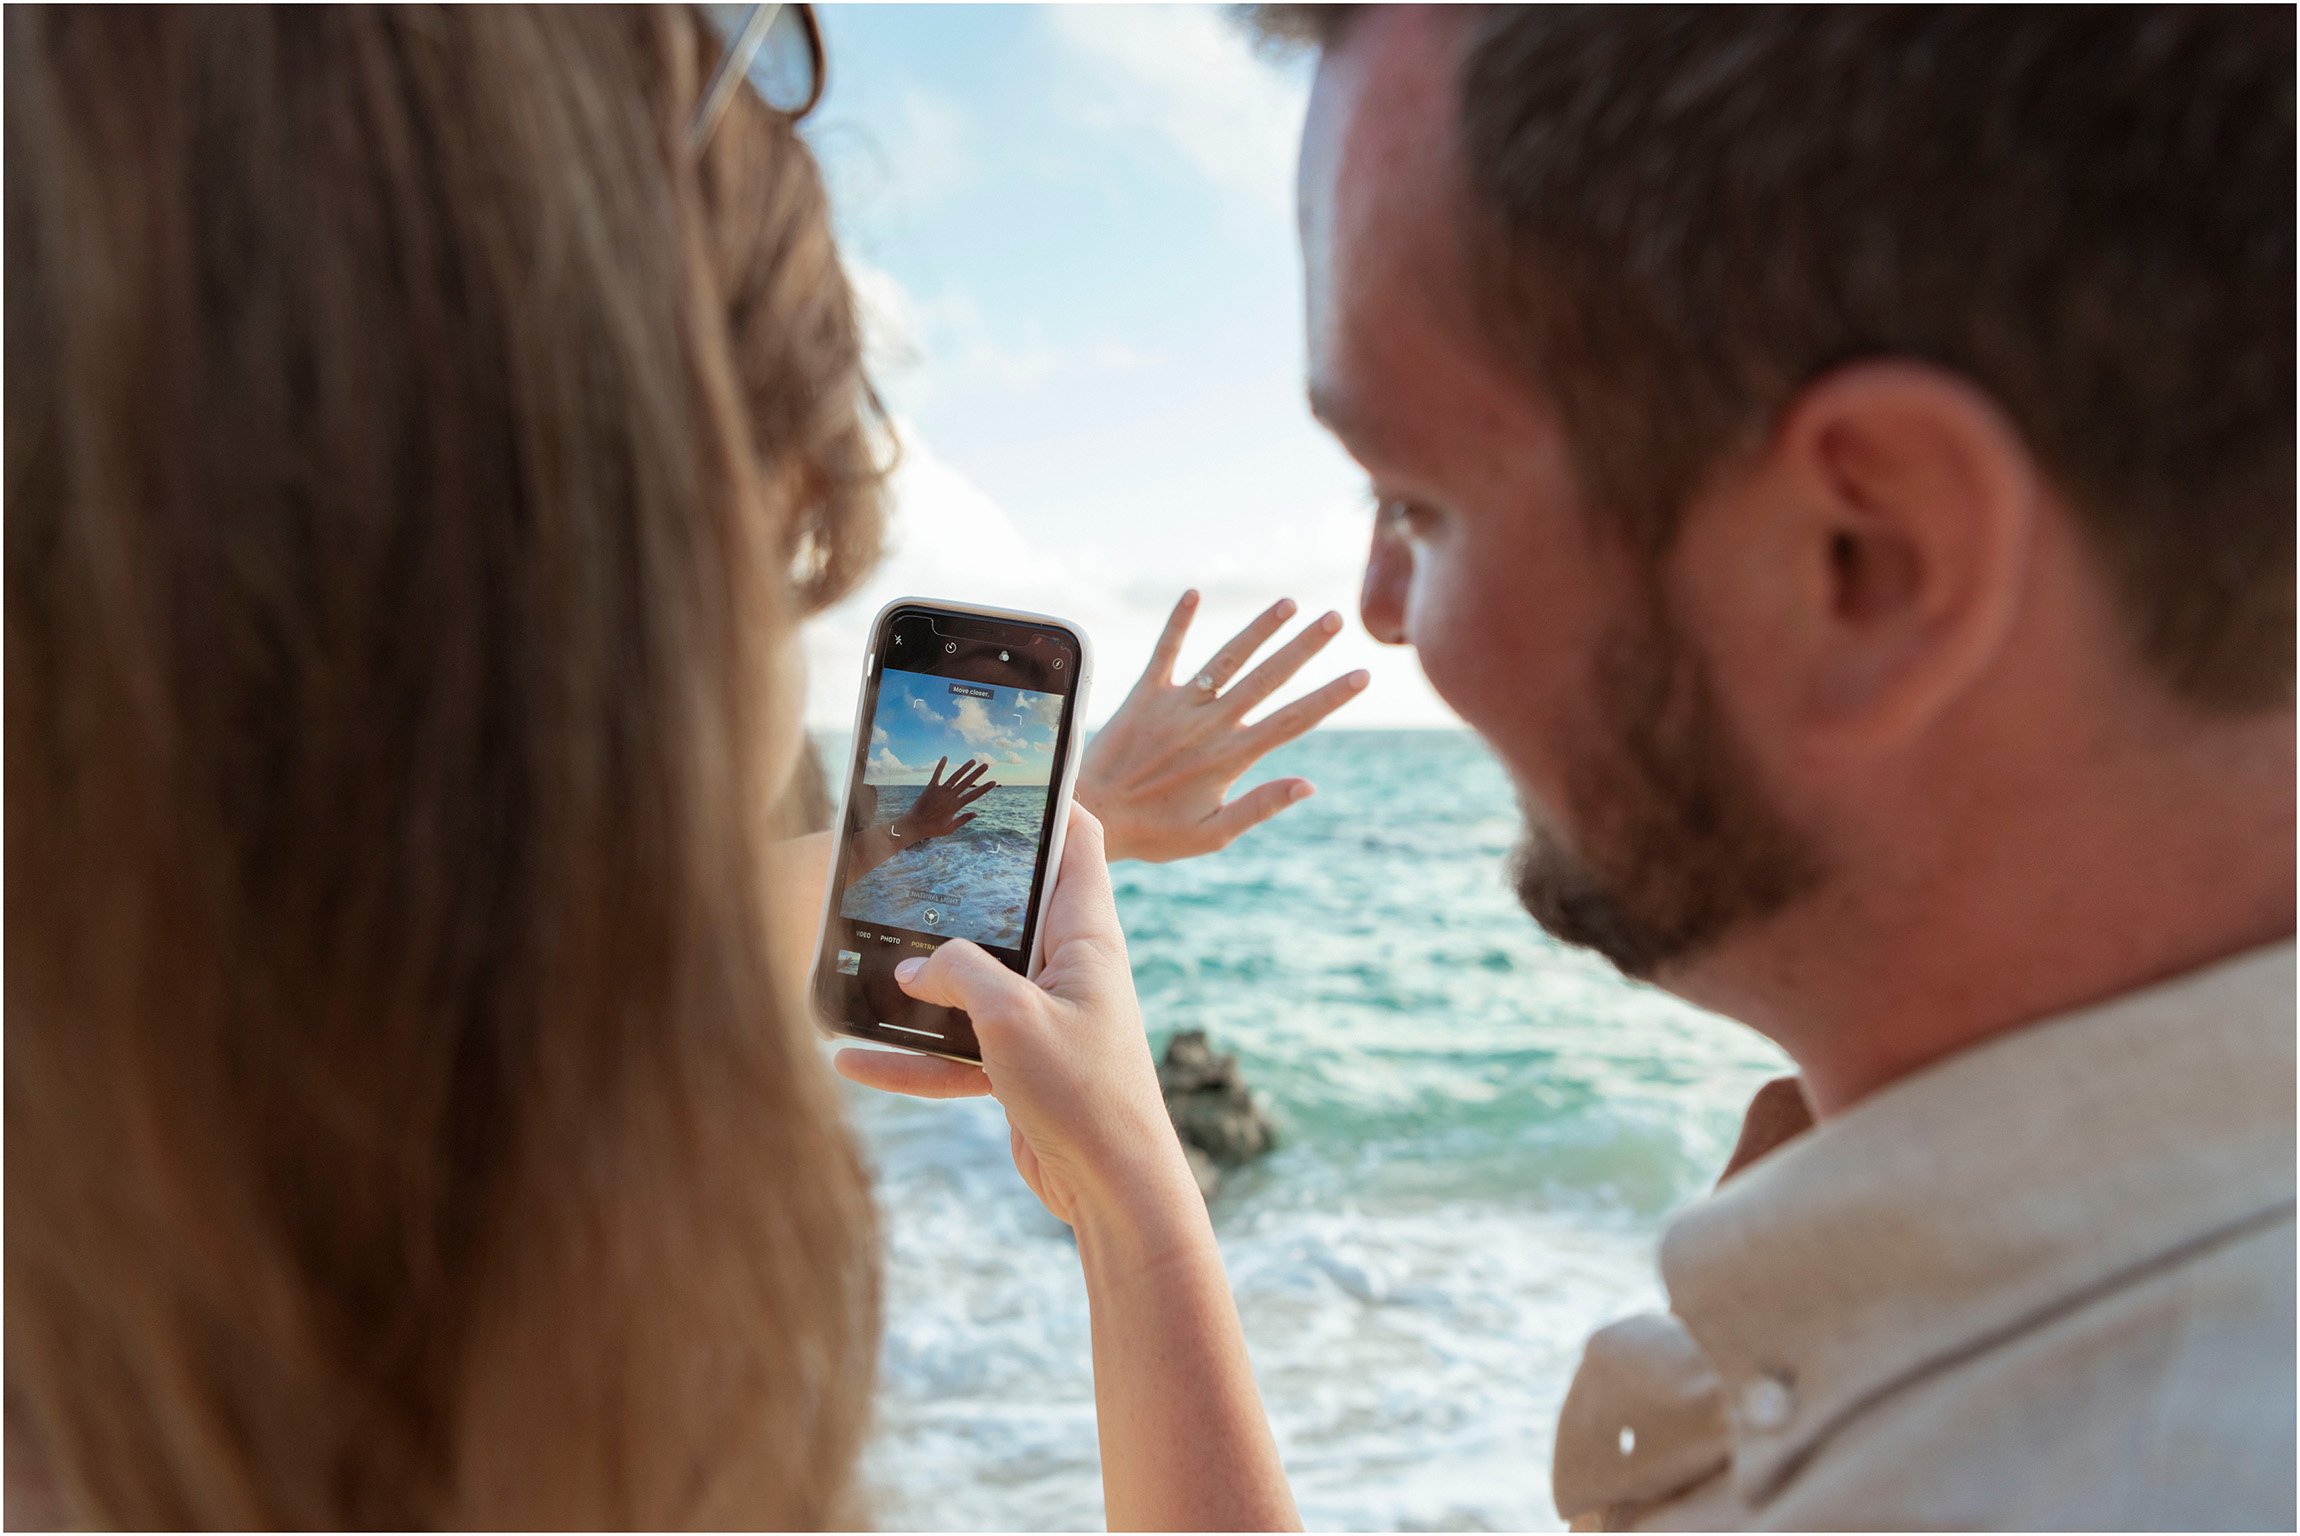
973	883
1483	1133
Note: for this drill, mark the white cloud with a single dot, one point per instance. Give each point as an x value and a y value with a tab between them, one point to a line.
878	736
947	540
974	723
950	540
920	708
921	345
891	322
1188	75
1116	357
929	142
885	764
907	157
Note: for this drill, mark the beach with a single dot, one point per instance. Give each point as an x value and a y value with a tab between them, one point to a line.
1482	1135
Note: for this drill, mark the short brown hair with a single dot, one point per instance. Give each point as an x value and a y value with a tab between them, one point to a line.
416	461
1686	214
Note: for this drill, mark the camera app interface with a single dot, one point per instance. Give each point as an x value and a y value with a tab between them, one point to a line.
944	829
950	806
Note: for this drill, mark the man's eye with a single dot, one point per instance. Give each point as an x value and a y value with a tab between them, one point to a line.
1413	518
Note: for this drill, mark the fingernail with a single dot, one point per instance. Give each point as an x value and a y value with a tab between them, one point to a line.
1331	623
1190	597
1285	607
909	968
1301	792
1360	678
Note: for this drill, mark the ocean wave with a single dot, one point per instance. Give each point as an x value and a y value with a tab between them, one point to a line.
973	883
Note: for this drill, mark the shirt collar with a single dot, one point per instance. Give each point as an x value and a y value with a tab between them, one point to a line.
1979	1194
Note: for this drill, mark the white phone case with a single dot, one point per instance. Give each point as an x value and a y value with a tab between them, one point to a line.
1062	791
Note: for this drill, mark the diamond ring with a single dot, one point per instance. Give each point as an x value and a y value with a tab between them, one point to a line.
1204	683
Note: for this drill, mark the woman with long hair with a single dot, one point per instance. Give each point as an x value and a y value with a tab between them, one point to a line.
425	429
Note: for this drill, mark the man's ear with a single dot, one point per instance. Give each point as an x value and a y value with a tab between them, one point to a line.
1895	507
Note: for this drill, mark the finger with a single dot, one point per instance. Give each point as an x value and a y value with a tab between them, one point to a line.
922	1077
1083	905
963	820
1283	663
1168	650
1254	807
960	974
976	793
1225	662
938	767
968	772
1283	725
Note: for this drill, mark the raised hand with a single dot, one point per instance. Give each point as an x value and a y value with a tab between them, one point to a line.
1156	774
936	811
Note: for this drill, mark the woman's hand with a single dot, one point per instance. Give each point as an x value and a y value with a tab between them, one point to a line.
1185	1444
935	813
1156	774
1065	1055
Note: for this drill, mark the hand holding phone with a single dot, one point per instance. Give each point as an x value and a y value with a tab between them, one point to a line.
1065	1053
1071	1067
928	852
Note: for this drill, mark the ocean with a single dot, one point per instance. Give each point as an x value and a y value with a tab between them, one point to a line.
972	883
1482	1135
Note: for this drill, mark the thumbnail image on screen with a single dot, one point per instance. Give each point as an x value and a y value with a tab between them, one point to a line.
943	830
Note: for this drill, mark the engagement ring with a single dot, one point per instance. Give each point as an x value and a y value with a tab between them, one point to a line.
1204	683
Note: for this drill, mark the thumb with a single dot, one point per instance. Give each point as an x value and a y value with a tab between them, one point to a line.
1083	906
961	974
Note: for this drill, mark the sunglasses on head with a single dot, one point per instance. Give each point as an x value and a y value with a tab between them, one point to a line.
777	48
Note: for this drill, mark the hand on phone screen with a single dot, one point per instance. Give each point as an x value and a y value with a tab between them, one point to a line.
936	811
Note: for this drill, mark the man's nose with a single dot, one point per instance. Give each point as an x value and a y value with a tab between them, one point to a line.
1389	573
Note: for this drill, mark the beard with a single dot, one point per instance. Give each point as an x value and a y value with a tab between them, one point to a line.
1678	842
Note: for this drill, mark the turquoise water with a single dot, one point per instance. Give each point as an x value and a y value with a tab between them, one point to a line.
1483	1133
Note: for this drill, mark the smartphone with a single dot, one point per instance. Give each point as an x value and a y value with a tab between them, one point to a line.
956	798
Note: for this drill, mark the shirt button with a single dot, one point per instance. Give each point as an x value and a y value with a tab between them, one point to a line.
1767	1403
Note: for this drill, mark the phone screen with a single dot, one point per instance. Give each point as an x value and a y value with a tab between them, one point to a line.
950	806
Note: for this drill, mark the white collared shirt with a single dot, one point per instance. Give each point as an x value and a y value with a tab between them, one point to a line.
2045	1283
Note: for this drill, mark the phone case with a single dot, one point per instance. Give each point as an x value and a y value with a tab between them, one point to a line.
1062	793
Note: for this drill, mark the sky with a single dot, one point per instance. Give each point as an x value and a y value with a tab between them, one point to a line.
922	719
1071	233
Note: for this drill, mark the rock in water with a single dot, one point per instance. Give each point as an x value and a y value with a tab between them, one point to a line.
1212	1111
1190	1064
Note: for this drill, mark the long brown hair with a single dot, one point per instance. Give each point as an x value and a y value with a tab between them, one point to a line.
416	461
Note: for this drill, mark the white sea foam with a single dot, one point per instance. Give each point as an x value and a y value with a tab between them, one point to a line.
973	883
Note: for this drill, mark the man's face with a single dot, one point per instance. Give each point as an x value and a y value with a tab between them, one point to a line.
1647	836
